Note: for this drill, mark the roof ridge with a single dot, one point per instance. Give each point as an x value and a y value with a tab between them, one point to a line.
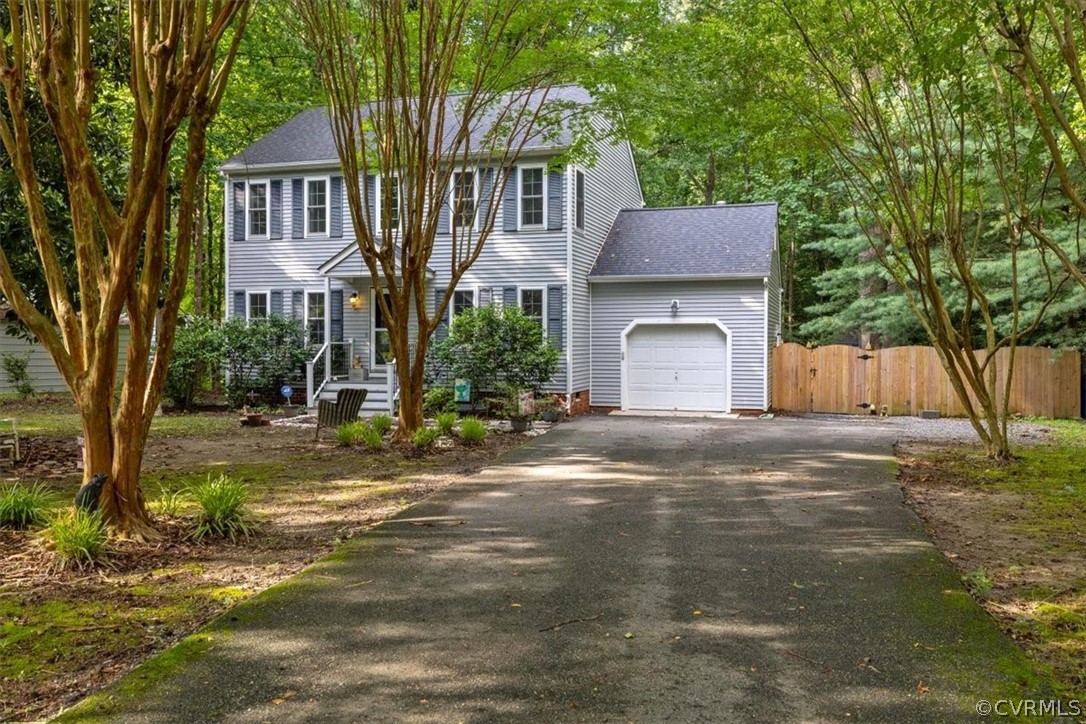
702	206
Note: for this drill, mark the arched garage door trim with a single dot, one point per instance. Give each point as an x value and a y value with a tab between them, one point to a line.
672	321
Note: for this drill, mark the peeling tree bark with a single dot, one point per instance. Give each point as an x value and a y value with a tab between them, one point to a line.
123	261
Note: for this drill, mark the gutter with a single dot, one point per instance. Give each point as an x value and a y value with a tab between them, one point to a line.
570	191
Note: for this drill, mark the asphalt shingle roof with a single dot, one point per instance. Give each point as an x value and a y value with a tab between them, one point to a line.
734	240
307	138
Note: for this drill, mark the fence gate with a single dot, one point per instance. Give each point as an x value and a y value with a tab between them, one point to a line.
839	379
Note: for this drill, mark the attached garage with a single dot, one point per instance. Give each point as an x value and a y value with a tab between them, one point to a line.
677	366
686	309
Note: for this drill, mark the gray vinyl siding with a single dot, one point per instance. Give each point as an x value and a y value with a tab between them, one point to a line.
774	327
44	374
610	185
738	305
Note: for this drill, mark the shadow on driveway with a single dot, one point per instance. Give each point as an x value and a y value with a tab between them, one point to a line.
617	569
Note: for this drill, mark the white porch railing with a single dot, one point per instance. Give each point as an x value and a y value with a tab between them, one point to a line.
332	361
393	386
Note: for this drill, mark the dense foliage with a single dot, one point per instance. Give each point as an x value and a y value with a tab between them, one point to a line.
261	356
490	344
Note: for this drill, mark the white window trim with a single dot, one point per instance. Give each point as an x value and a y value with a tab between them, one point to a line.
452	198
305	314
520	303
520	196
327	206
580	171
474	300
249	294
267	209
378	213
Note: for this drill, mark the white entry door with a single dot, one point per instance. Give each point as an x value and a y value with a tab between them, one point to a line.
677	367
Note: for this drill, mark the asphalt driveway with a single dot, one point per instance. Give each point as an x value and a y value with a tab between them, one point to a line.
617	569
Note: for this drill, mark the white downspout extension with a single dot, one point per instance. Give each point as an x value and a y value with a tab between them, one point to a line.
570	193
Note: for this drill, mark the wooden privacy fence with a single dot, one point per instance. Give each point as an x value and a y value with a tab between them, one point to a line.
843	379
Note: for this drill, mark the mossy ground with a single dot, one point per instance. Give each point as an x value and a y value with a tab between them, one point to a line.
1017	532
65	635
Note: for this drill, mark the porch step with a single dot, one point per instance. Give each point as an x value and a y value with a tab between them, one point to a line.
376	399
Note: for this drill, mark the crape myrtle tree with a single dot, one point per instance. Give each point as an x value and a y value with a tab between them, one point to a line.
941	170
180	53
438	93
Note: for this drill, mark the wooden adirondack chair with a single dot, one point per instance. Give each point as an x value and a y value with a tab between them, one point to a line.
345	409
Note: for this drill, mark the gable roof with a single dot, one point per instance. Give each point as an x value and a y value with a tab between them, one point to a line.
723	241
307	138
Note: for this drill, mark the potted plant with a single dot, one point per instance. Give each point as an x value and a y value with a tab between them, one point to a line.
551	409
516	406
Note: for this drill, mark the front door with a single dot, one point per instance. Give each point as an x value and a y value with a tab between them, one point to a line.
381	347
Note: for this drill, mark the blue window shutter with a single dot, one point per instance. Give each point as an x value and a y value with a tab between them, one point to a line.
297	208
239	210
239	304
556	314
335	207
371	200
444	216
555	209
509	201
297	305
486	188
442	330
509	297
276	228
486	296
277	302
336	303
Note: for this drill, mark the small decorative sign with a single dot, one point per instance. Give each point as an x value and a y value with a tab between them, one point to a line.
286	391
462	390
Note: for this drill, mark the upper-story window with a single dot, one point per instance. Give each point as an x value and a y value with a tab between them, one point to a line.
258	208
257	307
532	196
390	201
578	205
463	205
531	303
316	206
314	317
462	299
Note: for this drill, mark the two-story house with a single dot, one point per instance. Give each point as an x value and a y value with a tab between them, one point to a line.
679	311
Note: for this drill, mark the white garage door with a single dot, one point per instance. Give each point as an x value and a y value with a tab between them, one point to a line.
677	367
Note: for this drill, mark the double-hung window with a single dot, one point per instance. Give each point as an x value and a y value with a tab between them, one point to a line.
578	206
258	208
257	307
390	202
463	206
316	206
532	196
314	317
532	304
462	299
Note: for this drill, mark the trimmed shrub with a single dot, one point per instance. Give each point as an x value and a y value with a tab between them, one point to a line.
78	538
263	354
438	400
446	421
381	423
350	433
23	507
424	437
372	437
198	354
223	512
472	430
17	369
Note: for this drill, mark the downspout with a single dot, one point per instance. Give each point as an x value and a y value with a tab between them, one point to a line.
570	192
226	231
765	347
